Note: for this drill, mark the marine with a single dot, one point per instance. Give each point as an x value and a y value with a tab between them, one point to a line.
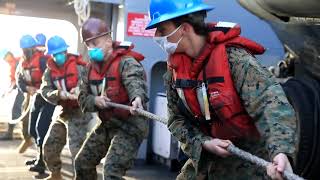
114	74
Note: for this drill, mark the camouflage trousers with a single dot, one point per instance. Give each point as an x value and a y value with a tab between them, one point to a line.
25	120
76	127
212	167
117	146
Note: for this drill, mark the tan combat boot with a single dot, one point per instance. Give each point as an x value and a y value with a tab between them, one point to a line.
24	145
55	176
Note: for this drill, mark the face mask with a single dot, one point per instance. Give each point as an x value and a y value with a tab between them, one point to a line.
60	58
96	54
167	46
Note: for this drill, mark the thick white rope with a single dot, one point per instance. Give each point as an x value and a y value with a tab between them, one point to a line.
231	148
82	9
258	161
139	111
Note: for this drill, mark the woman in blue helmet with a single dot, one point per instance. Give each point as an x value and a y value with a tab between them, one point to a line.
219	94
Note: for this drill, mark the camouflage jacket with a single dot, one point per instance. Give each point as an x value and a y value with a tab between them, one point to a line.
263	99
133	79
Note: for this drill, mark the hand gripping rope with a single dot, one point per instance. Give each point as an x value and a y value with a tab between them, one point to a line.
231	148
258	161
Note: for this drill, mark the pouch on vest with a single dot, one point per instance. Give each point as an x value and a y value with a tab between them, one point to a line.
221	102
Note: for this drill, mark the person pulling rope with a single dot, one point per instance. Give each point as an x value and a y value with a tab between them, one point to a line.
231	148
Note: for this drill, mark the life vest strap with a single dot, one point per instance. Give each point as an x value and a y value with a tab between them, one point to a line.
194	120
97	82
217	79
63	77
186	83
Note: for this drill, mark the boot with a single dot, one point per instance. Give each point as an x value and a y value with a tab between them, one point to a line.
39	165
30	162
24	145
8	135
55	176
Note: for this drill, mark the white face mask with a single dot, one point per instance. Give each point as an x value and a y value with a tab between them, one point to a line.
167	46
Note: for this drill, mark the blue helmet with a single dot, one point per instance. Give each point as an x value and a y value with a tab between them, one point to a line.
27	41
41	39
163	10
56	44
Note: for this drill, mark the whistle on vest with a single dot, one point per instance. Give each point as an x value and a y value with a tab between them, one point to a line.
202	96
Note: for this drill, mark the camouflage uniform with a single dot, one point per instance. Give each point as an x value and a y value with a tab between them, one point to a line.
25	121
116	140
71	120
263	99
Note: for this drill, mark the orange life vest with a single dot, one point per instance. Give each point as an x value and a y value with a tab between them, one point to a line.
206	88
32	70
66	77
106	78
13	63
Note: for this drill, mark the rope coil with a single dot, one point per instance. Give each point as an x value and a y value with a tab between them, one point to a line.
82	9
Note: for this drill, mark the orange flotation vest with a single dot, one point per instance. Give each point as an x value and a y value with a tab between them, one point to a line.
13	63
109	74
32	70
66	77
206	89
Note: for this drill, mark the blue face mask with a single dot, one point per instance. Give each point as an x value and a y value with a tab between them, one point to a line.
96	54
60	58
